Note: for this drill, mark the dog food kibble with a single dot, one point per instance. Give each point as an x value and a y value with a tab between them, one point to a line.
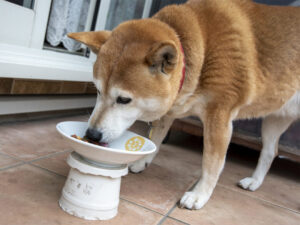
89	141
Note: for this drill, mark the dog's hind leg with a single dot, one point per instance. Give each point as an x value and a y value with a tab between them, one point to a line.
159	131
272	128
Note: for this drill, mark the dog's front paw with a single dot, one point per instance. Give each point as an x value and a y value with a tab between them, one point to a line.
250	183
193	200
141	164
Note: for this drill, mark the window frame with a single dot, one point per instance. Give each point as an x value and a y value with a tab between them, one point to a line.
34	62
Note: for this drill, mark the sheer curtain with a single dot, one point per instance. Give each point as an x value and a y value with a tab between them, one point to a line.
66	16
296	3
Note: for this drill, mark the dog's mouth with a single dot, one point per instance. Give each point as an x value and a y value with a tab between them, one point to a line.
86	139
100	143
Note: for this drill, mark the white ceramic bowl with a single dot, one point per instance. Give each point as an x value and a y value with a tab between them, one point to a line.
126	149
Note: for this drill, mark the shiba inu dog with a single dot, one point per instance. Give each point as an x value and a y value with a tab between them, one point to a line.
241	60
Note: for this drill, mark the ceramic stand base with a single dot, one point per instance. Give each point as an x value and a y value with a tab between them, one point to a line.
92	189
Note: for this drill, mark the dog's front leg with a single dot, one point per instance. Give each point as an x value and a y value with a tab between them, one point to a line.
217	134
159	131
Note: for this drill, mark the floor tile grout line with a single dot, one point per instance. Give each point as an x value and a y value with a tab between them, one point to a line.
48	156
12	166
167	214
23	162
175	205
11	156
45	169
164	215
134	203
257	198
173	218
36	159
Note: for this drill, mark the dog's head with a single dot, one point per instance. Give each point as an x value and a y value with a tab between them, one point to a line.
137	74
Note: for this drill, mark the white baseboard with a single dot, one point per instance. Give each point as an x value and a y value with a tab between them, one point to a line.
27	104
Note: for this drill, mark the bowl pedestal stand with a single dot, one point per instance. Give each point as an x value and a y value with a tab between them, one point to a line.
92	189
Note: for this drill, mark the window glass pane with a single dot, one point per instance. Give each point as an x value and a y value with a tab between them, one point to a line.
66	16
122	10
159	4
25	3
275	2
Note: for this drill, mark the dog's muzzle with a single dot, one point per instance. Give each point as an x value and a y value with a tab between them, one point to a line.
93	134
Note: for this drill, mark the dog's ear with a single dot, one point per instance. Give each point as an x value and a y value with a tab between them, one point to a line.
162	57
93	39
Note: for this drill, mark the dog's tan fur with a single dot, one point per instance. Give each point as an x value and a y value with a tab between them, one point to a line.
242	61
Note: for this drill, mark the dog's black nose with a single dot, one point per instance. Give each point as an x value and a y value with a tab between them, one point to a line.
93	134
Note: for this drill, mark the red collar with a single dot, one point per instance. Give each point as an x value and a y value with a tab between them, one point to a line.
183	70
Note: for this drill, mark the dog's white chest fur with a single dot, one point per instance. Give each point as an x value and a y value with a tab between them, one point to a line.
291	108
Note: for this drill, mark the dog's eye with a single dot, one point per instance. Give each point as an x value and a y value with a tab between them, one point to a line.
123	100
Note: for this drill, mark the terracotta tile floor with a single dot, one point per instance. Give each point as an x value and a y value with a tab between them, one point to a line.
33	171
